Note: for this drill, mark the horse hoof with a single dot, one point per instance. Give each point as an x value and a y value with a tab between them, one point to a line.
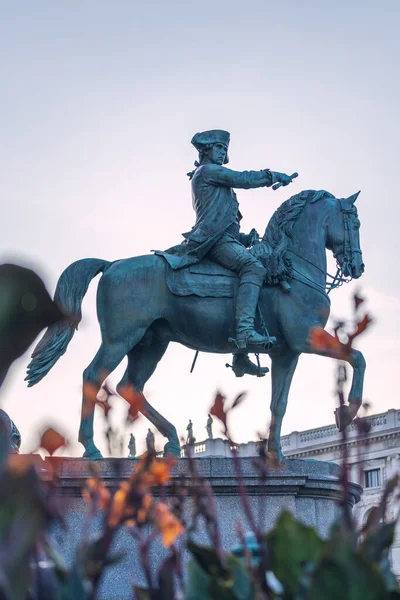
92	454
274	457
172	448
343	417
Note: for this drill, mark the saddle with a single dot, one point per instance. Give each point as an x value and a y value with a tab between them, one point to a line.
205	279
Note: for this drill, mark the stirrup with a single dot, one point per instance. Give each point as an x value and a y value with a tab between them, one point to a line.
253	339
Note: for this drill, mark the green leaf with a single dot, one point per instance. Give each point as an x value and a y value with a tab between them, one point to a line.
388	575
198	582
342	572
208	559
166	575
292	546
242	583
378	542
77	587
141	593
23	514
55	555
203	585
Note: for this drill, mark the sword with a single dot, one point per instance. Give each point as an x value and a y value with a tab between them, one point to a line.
276	186
194	361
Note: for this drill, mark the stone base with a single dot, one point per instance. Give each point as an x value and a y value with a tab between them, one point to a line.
307	488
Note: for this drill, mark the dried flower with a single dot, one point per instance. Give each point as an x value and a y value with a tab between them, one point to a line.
118	506
159	471
144	509
96	491
168	525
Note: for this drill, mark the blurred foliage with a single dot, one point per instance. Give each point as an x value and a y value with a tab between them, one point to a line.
25	309
290	562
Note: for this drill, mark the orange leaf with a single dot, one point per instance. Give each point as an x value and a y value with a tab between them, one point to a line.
322	340
362	326
217	408
136	401
51	441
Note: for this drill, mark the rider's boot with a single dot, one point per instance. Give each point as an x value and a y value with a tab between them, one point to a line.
242	365
246	306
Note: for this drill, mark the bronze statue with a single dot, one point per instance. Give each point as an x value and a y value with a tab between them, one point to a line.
143	304
150	441
190	439
209	427
132	446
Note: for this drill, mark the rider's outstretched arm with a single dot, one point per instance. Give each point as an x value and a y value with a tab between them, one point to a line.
221	176
217	175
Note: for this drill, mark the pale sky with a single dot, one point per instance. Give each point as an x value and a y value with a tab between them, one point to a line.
99	102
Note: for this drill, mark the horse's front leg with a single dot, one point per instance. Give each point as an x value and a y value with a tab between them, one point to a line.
345	414
282	370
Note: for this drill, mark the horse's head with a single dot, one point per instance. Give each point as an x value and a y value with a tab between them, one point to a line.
343	237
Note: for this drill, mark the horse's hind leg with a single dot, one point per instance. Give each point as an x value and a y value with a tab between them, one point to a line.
142	362
282	370
106	360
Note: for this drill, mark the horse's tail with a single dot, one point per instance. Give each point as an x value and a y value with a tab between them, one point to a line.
70	290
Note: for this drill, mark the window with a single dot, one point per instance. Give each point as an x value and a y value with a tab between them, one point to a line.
373	478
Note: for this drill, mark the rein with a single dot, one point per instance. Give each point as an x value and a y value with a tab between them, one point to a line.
309	282
348	253
337	280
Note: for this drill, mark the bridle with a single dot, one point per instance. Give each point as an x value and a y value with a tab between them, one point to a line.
347	255
348	252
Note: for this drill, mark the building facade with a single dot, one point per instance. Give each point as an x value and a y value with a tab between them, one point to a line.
373	458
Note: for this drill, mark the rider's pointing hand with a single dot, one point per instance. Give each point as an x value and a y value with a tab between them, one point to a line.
281	178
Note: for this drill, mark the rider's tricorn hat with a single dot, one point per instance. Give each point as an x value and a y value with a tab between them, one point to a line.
211	137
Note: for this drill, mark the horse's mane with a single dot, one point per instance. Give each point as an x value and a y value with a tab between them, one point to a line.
273	247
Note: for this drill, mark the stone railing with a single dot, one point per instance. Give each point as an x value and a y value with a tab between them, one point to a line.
298	440
217	447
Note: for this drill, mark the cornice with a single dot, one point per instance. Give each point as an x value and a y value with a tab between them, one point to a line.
364	441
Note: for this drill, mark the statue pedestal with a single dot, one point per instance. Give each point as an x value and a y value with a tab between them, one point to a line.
307	488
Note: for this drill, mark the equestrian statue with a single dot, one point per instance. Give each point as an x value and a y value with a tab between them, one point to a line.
218	291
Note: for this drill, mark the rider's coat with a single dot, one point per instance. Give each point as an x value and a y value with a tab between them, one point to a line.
216	207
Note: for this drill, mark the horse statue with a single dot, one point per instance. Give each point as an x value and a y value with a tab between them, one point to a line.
139	315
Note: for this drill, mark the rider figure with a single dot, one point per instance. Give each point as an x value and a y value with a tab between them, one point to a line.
217	228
